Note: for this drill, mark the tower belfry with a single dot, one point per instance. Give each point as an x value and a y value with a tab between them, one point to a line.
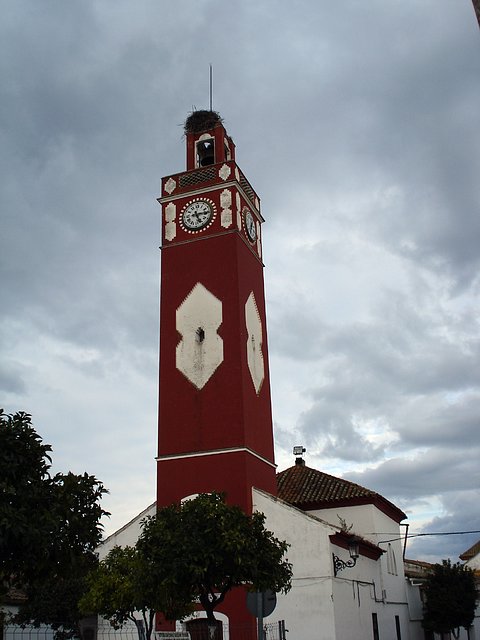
215	423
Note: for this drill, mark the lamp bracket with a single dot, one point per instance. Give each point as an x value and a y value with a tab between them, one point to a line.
340	565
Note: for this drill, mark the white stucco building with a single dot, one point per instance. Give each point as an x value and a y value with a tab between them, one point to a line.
127	535
320	515
379	597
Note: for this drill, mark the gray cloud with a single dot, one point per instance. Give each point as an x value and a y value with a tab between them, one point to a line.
358	134
430	473
458	517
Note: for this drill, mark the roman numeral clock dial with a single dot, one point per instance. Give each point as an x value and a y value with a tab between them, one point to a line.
249	225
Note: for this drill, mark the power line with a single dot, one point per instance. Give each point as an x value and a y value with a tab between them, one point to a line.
421	535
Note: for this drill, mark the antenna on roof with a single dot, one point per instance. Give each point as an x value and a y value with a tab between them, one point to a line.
211	89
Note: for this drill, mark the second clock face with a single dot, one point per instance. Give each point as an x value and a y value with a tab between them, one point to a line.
250	225
197	215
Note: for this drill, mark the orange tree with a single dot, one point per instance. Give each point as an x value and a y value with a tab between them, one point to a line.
205	547
122	588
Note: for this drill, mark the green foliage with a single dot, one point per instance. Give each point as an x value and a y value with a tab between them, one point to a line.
54	601
198	550
450	598
115	587
210	547
25	496
343	524
49	527
123	584
77	513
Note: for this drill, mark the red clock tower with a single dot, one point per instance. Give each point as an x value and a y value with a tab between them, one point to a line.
215	423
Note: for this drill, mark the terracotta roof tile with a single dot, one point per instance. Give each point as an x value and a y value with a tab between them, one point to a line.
309	489
301	485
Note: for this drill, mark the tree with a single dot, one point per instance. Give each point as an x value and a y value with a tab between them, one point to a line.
25	494
201	550
210	547
122	585
450	598
50	560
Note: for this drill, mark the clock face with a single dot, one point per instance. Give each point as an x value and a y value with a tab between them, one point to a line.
197	215
250	225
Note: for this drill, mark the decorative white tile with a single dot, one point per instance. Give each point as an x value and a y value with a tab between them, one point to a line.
200	350
170	186
226	218
170	231
237	174
170	212
224	171
255	360
226	199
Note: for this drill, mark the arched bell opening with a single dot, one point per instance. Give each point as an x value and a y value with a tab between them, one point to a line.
205	152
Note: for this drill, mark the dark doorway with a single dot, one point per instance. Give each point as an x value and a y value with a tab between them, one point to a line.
198	629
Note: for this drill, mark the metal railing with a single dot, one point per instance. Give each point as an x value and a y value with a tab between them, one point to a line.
104	631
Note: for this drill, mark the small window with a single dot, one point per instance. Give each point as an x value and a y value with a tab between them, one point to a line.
397	628
376	635
391	561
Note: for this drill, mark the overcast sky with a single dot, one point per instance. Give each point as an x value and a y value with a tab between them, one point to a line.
358	124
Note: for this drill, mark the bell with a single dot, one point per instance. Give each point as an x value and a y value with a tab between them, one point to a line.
206	153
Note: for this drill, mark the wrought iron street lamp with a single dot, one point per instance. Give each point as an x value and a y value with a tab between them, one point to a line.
353	549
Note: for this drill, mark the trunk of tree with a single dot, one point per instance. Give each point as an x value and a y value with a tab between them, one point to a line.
140	629
209	607
210	616
149	623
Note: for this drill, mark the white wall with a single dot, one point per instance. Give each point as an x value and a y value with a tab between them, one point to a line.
474	563
321	606
128	535
308	608
372	524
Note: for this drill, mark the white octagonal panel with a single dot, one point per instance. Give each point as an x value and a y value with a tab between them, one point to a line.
200	350
254	343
